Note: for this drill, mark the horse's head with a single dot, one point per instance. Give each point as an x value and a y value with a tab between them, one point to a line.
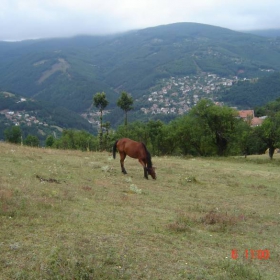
151	171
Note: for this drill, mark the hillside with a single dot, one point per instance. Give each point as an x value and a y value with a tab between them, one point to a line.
252	93
38	118
74	215
69	71
266	32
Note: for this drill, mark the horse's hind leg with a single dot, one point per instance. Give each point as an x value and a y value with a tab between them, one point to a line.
123	155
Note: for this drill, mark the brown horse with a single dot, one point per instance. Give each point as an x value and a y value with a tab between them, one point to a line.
134	149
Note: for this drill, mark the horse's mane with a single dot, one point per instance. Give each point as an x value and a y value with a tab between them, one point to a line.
149	160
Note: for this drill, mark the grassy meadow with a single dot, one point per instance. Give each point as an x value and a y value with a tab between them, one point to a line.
74	215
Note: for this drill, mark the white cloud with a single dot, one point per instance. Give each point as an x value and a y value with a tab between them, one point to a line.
23	19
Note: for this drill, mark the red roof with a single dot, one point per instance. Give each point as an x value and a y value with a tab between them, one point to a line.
246	113
256	121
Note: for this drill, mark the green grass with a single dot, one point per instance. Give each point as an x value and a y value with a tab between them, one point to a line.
74	215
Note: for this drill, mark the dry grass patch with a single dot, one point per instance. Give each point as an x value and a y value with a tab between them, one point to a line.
213	220
184	223
214	217
220	221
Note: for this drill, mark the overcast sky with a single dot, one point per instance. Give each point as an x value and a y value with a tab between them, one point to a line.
32	19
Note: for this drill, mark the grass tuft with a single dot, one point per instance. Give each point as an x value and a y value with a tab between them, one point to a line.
187	180
183	223
213	217
219	221
235	270
134	189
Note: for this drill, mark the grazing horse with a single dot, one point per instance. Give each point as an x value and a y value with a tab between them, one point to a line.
134	149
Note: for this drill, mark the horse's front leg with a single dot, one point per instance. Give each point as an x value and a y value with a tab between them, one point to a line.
146	173
143	163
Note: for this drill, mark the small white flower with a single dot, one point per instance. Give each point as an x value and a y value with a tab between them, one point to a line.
105	168
134	189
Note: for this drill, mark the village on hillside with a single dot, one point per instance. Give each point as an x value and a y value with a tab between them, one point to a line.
18	117
179	95
176	95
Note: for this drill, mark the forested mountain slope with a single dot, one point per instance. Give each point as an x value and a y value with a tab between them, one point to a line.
68	71
251	93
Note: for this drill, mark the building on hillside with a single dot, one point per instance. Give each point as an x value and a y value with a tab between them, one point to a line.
256	121
245	114
249	117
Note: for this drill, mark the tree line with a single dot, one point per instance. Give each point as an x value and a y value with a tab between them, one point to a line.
207	130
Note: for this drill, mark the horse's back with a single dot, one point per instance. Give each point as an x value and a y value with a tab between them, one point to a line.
130	147
127	142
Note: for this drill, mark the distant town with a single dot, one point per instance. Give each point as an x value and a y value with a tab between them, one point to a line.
179	95
176	95
17	117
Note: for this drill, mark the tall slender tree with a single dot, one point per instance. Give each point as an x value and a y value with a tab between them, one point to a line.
100	101
125	102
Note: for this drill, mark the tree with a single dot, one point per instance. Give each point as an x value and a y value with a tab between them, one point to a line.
136	130
76	140
107	126
269	132
243	137
169	143
50	141
155	134
193	137
13	135
219	121
100	102
125	103
32	141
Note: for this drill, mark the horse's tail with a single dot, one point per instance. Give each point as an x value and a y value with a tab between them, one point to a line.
115	149
149	159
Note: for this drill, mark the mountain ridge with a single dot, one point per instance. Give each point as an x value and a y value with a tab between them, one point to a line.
134	61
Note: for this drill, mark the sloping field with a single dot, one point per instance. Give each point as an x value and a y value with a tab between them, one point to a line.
74	215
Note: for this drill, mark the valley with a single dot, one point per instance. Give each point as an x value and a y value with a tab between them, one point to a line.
166	69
